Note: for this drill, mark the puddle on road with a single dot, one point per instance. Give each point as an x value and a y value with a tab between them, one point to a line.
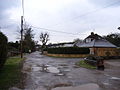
90	86
67	70
116	78
49	68
62	65
106	83
36	68
46	68
59	74
53	70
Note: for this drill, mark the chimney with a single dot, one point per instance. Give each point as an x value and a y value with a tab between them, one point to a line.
92	33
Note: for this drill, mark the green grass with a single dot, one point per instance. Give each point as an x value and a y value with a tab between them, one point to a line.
11	73
85	65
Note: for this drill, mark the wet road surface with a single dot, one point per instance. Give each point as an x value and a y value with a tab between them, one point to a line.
62	73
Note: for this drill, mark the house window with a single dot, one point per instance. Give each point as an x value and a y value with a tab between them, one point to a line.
88	40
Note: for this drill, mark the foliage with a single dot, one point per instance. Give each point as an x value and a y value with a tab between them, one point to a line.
82	63
13	46
3	49
68	50
117	51
11	73
114	38
28	42
77	40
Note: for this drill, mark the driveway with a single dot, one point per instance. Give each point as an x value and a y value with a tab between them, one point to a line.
62	74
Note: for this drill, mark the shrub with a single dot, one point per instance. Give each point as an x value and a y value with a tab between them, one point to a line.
68	50
3	49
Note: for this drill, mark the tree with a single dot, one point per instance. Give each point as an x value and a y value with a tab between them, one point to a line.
114	38
28	36
77	41
3	49
28	42
44	38
13	46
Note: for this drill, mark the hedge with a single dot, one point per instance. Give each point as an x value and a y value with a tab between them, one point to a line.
3	49
67	50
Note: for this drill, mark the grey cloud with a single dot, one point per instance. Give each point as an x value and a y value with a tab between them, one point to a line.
7	4
7	25
65	15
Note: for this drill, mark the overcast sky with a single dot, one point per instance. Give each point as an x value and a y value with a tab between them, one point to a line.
77	17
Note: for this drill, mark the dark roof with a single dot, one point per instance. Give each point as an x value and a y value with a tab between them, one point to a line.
94	36
98	43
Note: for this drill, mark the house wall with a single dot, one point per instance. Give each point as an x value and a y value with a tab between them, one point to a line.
105	51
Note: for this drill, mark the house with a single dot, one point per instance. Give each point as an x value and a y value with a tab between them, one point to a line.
98	45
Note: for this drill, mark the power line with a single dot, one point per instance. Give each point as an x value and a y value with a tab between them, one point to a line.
55	30
94	11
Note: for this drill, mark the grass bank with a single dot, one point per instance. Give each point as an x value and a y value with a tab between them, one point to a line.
10	75
85	65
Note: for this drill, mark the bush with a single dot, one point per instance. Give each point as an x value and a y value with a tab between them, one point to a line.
68	50
3	49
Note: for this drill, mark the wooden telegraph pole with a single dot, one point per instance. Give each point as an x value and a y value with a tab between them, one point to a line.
21	42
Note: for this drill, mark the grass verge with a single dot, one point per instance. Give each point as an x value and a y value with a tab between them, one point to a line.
10	75
83	64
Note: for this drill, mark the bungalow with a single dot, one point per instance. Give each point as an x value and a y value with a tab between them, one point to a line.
98	45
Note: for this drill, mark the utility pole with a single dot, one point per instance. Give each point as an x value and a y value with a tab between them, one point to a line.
21	42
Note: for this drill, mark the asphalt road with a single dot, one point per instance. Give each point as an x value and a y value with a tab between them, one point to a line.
63	72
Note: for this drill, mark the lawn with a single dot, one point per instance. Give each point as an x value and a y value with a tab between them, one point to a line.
85	65
11	73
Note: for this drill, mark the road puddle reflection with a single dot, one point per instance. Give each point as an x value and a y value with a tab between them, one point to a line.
90	86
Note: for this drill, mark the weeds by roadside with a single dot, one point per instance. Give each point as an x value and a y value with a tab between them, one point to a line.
85	65
11	73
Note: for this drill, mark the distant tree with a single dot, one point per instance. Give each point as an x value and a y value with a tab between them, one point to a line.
13	46
77	40
44	38
114	38
119	28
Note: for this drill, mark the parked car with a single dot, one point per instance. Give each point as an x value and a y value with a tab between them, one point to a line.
91	60
95	61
